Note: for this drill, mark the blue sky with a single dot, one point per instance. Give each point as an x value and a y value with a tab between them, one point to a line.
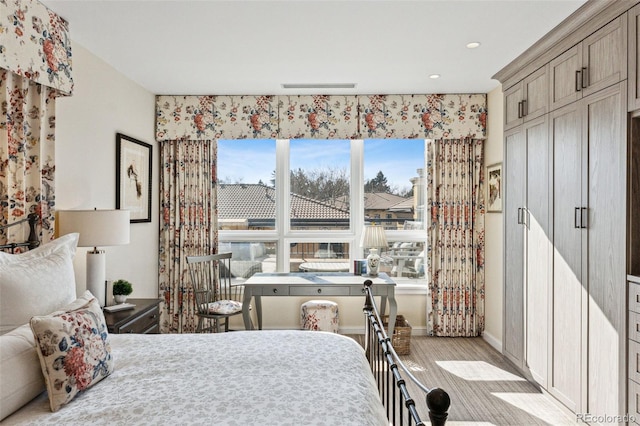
252	160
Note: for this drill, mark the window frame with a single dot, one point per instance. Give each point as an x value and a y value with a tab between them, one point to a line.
283	235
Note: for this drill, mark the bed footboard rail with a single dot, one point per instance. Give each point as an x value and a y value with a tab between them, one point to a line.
386	365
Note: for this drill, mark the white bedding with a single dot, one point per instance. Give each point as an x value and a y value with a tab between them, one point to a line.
240	378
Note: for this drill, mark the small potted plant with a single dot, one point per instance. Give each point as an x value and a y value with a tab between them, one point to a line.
121	289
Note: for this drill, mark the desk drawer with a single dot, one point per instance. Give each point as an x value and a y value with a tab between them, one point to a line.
146	323
309	290
274	290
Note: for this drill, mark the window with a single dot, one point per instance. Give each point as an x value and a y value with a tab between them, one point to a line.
293	205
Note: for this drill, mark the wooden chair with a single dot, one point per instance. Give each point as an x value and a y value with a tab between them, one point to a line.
217	299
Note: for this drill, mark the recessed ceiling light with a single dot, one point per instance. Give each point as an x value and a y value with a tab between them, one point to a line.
318	85
434	76
473	45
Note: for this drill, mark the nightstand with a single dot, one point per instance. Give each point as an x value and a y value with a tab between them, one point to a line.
143	319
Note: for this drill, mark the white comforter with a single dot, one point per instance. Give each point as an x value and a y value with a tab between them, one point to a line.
239	378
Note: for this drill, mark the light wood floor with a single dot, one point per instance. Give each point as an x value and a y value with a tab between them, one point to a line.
485	388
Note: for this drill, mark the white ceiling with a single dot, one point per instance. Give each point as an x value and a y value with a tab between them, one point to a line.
236	47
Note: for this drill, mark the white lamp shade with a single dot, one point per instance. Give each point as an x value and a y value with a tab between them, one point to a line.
374	237
97	228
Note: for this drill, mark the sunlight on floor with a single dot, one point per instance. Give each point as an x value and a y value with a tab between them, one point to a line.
477	370
540	406
412	366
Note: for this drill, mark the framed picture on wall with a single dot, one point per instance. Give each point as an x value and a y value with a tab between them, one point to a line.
133	177
494	188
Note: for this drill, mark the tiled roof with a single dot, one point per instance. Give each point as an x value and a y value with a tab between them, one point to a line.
381	200
256	201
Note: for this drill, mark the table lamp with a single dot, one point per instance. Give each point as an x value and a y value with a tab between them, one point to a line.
96	228
373	238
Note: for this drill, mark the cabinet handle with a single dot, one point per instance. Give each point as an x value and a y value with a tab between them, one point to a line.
585	78
525	109
275	290
519	215
578	80
576	218
319	290
584	217
520	109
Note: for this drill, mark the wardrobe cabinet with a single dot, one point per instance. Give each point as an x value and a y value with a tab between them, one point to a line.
528	99
598	61
527	246
565	209
633	52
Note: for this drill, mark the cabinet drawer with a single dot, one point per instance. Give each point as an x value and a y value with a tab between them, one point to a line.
634	402
144	323
634	297
634	361
315	291
634	326
273	290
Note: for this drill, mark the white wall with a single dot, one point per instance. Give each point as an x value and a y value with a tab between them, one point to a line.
105	102
493	227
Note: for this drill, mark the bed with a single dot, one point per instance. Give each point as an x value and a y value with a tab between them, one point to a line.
277	377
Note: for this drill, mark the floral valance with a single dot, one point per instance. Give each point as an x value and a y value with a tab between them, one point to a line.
35	43
321	117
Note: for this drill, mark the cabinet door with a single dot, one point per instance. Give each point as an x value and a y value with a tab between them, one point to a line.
536	94
566	78
604	128
568	291
604	55
538	248
515	189
633	54
513	106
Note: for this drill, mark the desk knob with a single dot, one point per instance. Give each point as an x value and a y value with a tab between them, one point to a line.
275	290
319	290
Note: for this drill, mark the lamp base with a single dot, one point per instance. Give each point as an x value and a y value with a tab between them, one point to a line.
373	262
96	272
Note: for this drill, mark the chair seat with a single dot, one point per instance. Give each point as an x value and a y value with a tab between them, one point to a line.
224	307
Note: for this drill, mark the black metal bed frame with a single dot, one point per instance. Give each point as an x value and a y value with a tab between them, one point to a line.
32	242
385	366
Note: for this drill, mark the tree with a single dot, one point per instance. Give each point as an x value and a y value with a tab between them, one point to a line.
327	185
377	184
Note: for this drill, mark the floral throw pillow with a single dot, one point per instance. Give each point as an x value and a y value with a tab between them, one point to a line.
74	351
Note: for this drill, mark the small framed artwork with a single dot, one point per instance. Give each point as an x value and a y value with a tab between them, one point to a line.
494	188
133	177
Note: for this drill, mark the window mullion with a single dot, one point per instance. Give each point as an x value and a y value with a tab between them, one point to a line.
283	203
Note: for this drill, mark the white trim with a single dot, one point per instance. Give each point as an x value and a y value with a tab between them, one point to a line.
495	343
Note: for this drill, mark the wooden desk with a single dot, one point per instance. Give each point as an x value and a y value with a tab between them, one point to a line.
317	284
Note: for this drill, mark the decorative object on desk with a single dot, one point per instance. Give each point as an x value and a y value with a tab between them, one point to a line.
96	228
121	289
494	188
373	238
133	177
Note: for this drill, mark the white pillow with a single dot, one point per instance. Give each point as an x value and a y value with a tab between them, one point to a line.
21	377
37	282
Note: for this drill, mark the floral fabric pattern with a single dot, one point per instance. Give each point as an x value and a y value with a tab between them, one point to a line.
455	194
74	351
321	117
423	116
319	315
35	44
216	117
27	156
188	225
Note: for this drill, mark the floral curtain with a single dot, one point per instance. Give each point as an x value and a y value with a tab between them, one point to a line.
188	225
27	156
320	116
455	194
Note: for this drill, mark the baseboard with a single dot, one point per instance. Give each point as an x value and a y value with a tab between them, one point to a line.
495	343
